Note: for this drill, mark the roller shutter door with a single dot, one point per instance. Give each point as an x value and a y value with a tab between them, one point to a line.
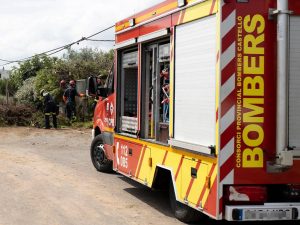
294	84
195	82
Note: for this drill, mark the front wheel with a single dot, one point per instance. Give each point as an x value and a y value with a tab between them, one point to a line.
100	162
181	211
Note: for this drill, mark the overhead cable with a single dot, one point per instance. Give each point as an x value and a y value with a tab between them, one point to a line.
58	49
89	39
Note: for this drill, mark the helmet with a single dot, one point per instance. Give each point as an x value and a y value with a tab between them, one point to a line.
62	83
44	93
72	83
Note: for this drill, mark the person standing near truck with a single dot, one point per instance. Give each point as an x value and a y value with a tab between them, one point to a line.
50	109
69	99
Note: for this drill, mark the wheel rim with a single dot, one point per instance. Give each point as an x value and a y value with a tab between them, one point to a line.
99	156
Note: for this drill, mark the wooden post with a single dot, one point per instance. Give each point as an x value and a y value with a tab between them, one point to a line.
7	93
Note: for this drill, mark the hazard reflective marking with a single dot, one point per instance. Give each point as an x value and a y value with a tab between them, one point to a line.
141	162
212	6
179	167
165	157
204	188
192	180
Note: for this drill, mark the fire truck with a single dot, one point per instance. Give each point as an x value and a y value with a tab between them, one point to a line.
204	101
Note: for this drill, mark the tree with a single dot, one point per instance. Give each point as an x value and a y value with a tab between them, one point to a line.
49	71
29	68
48	80
88	62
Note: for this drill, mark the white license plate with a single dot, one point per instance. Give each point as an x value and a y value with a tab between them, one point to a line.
268	214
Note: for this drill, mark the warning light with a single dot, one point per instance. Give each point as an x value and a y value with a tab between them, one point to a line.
181	3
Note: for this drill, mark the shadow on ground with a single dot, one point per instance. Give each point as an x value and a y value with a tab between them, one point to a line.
156	199
159	200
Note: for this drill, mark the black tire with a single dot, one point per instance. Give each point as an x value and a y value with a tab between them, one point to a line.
181	211
100	162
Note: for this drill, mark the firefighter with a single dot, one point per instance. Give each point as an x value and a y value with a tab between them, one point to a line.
50	109
62	84
69	99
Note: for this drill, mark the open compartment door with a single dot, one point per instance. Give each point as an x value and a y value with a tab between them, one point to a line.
129	96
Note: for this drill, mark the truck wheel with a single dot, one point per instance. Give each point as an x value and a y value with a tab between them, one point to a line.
181	211
100	162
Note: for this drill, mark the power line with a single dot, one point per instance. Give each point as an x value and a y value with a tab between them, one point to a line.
58	49
7	63
89	39
108	28
4	60
42	53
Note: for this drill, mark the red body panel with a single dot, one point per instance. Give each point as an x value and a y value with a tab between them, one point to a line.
145	29
127	157
265	122
150	13
104	115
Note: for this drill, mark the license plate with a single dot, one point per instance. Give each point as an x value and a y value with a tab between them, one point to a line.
268	214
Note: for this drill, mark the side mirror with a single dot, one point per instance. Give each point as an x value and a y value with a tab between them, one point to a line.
91	86
102	92
93	89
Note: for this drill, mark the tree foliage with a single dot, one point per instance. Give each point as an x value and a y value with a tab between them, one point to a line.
88	62
29	68
26	93
3	86
49	71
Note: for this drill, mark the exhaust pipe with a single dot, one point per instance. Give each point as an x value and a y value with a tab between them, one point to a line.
284	157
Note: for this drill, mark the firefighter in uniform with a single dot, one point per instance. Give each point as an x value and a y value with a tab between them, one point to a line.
69	99
50	109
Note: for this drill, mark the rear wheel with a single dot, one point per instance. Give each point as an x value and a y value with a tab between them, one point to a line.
100	162
183	212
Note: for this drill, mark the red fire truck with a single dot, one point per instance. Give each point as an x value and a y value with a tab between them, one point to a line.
204	100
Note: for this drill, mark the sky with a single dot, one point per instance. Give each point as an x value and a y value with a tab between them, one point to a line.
29	27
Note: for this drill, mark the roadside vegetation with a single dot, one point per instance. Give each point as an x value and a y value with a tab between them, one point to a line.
25	104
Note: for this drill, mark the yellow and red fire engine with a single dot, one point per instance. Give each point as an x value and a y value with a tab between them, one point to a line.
204	101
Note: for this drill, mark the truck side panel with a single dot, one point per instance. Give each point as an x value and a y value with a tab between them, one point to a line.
194	176
248	94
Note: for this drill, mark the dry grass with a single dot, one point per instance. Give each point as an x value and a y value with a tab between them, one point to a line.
20	115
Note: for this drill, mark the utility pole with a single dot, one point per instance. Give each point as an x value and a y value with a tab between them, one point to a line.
7	93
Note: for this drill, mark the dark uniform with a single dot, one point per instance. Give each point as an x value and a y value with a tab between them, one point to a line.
49	110
70	95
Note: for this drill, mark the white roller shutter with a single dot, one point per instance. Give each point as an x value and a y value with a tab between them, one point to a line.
294	84
195	82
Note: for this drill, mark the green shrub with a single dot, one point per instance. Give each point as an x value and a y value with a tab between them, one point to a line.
26	94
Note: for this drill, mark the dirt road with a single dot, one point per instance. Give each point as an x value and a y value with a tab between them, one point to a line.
46	177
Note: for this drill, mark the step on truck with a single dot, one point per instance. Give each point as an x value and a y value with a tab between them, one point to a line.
204	101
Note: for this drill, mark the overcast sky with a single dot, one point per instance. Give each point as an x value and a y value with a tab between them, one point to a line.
28	27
